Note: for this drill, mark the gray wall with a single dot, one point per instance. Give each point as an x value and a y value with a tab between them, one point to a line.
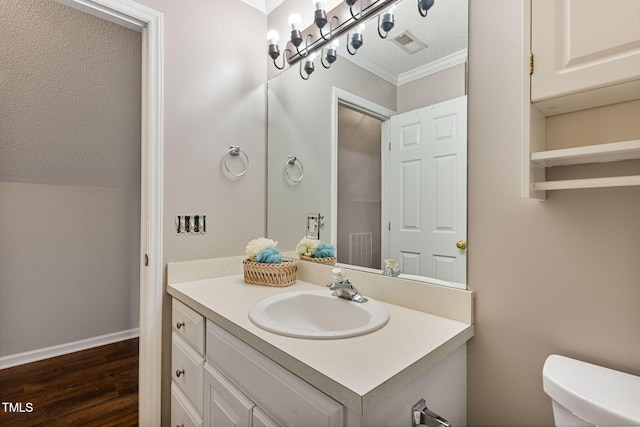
214	96
438	87
559	276
69	176
300	124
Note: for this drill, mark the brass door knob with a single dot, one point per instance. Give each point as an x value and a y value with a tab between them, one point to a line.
461	244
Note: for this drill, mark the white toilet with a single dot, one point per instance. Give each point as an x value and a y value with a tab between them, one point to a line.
589	395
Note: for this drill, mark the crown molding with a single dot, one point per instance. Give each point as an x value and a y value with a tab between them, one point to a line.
448	61
441	64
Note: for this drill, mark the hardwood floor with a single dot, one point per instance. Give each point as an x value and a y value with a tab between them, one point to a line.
95	387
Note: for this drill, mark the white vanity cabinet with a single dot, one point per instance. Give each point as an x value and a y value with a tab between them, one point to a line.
225	404
253	387
187	365
250	377
584	53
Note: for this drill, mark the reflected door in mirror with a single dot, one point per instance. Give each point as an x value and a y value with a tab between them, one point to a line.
428	204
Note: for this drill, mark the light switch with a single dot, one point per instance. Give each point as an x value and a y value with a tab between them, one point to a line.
191	224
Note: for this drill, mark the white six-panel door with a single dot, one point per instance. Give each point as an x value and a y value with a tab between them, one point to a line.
428	172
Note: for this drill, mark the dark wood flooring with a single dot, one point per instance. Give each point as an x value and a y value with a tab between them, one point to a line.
94	387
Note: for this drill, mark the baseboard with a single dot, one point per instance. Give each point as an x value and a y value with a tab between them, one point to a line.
59	350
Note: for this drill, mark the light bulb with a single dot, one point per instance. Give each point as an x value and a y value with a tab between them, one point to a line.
332	53
320	15
273	37
294	21
387	21
356	39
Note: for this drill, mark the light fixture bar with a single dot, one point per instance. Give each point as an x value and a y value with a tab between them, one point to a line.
346	22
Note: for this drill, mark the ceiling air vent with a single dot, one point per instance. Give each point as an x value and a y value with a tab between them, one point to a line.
408	42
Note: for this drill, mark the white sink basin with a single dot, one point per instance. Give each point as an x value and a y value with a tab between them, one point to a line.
317	315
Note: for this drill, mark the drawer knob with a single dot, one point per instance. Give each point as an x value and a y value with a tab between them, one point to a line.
179	325
179	372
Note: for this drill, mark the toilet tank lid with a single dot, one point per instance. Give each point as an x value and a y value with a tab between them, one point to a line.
596	394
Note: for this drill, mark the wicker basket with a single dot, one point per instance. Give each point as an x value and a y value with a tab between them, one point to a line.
278	275
327	261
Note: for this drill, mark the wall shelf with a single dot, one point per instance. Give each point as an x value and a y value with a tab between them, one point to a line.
618	181
615	151
551	86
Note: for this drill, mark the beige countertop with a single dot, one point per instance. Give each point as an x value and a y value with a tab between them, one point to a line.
358	372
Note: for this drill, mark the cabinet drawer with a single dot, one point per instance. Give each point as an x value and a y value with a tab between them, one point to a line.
183	414
291	400
188	324
187	370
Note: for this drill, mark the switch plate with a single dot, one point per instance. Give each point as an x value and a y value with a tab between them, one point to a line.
315	223
191	224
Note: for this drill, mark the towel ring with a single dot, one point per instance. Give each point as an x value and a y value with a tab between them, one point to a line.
292	160
234	150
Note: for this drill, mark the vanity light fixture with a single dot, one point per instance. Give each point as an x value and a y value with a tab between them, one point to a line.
331	54
350	3
309	66
274	51
314	43
355	41
296	35
320	15
386	22
424	6
320	19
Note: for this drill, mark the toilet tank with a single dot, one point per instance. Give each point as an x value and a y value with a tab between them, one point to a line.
597	395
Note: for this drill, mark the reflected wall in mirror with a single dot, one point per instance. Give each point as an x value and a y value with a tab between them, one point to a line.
361	187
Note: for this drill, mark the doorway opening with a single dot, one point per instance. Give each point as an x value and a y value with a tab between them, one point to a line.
358	181
359	201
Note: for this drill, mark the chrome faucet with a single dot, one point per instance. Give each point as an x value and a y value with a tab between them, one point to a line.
391	268
342	287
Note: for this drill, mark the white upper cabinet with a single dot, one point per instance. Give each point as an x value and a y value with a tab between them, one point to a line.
586	53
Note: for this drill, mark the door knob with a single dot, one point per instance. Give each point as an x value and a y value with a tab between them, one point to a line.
462	244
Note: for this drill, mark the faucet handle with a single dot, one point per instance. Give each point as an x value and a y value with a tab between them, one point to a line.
339	274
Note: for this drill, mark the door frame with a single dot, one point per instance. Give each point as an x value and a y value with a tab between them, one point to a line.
150	23
340	96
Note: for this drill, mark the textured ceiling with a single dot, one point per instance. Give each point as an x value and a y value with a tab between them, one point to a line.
70	97
444	31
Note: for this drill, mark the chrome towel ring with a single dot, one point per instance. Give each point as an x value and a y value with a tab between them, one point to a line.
291	161
234	150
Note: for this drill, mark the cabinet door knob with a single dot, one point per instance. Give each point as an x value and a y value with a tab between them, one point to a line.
179	325
179	372
461	244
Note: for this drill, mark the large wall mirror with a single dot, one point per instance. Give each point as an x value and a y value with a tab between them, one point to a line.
376	145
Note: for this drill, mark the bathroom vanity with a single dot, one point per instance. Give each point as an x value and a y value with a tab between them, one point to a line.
228	371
